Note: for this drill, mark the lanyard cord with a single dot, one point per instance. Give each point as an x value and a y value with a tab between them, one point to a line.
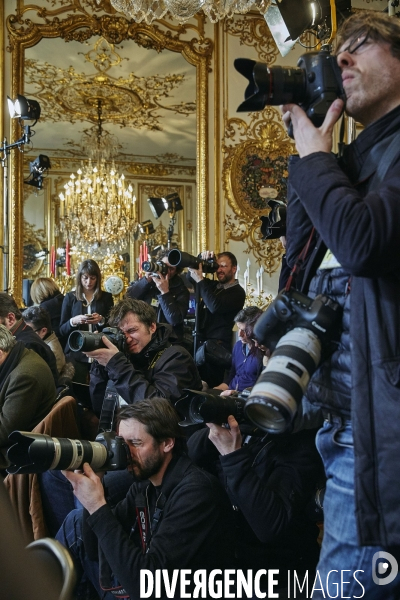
299	262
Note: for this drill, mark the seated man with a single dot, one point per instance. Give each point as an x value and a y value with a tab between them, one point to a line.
188	520
151	366
27	390
271	480
39	320
247	358
166	293
11	317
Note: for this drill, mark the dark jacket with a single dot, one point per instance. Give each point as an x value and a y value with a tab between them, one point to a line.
53	305
360	227
217	310
26	396
171	308
72	307
25	334
195	530
160	369
271	481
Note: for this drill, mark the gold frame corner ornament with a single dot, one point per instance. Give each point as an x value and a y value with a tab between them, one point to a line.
262	141
80	26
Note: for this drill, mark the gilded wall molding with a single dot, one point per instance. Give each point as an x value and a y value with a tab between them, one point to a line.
254	32
25	32
255	160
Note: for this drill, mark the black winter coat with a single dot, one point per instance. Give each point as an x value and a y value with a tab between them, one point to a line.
195	530
172	307
53	306
271	481
360	227
160	369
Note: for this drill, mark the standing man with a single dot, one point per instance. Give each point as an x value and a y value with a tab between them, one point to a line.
166	293
177	517
221	301
354	205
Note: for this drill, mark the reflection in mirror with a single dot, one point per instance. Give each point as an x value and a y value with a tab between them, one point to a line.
131	108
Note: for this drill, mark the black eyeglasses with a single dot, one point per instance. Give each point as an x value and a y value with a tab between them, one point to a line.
355	44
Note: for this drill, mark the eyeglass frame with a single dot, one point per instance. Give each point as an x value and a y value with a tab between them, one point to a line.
357	46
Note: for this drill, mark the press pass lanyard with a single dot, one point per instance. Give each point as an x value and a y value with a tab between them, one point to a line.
147	529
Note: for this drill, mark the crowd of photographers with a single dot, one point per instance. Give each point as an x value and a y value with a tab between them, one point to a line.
217	476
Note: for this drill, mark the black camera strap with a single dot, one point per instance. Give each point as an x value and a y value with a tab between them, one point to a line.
110	403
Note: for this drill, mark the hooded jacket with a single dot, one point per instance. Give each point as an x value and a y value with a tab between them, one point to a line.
160	369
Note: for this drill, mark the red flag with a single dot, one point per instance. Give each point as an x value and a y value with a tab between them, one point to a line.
52	261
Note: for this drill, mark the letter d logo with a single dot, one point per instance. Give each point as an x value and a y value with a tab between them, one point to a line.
380	568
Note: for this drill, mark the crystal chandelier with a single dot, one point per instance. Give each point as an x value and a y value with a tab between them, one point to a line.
182	10
97	208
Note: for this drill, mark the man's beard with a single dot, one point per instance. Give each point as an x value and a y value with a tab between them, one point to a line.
150	467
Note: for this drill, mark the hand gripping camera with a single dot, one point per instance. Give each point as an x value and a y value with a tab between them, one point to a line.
149	266
85	341
294	327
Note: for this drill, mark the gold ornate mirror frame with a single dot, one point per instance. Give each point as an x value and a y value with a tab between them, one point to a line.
25	33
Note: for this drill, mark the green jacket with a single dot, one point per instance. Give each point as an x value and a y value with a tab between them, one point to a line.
26	397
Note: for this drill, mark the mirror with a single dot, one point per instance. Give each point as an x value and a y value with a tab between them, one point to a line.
152	86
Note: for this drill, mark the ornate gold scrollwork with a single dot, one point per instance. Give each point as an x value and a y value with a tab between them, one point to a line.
26	32
255	161
254	32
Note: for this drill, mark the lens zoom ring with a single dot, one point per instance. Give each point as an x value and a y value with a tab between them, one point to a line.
283	381
301	356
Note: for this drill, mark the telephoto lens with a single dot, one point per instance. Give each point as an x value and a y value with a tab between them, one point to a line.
85	341
149	266
37	453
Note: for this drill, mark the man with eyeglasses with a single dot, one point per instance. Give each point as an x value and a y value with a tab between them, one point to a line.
354	204
151	366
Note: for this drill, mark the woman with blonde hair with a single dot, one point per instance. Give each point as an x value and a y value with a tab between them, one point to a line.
85	309
46	294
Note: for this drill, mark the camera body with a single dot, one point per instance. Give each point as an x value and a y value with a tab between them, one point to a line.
176	258
86	341
294	326
313	85
155	268
293	309
37	453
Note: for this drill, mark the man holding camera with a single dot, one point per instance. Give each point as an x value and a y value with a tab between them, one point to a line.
221	300
176	517
151	365
166	292
353	203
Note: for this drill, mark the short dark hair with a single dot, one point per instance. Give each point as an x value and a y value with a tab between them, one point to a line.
88	267
163	253
249	316
379	27
143	311
159	418
231	257
38	316
8	305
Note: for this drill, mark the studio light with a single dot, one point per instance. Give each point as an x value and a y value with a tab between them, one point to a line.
37	168
23	108
171	203
289	19
147	227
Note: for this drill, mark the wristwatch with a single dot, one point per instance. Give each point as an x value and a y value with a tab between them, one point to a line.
114	285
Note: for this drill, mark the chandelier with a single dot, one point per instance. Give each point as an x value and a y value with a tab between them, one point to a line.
97	208
182	10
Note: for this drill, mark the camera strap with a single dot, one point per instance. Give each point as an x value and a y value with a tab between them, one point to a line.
299	262
110	403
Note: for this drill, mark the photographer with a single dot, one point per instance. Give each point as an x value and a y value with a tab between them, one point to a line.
151	367
271	481
167	293
353	203
184	511
221	300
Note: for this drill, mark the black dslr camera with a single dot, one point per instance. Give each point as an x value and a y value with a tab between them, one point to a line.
155	268
313	85
85	341
37	453
202	407
176	258
294	326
